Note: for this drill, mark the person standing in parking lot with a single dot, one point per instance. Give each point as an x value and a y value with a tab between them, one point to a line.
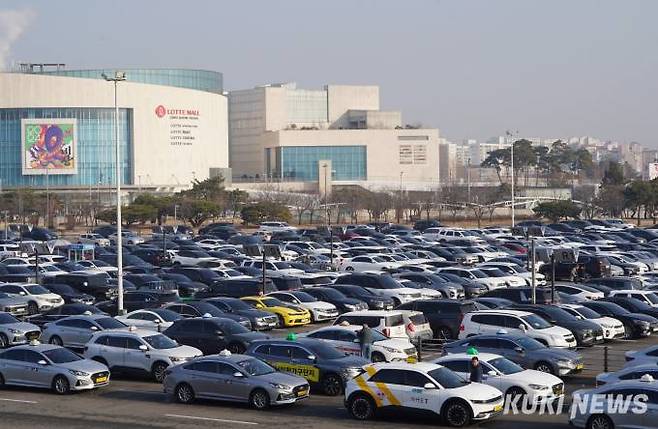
366	340
475	370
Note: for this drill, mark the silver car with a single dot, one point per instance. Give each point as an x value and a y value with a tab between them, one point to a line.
14	305
76	331
14	332
234	377
50	367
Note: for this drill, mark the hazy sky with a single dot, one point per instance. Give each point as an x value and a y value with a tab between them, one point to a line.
472	68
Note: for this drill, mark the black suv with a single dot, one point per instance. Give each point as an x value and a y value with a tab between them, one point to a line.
444	315
237	288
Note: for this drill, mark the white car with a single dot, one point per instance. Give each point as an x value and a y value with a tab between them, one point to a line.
39	298
127	237
425	292
514	270
599	408
645	355
421	387
612	328
633	372
95	239
274	268
620	259
647	297
156	319
138	349
49	270
320	310
389	323
385	286
100	266
192	257
345	339
276	227
508	377
510	280
579	291
210	243
475	275
16	261
364	263
516	322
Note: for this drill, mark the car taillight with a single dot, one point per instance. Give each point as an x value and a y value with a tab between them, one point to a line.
411	327
386	331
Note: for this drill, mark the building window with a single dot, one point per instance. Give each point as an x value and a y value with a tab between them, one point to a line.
410	138
406	154
300	163
420	154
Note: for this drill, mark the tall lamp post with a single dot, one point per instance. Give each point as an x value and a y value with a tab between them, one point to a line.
328	214
119	76
510	134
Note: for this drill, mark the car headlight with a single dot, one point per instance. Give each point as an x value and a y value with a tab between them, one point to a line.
642	323
537	387
350	306
177	359
280	386
565	363
390	349
78	373
14	331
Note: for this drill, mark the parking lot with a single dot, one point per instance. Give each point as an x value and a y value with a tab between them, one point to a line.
142	404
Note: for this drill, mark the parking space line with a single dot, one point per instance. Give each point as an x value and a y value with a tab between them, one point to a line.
18	400
179	416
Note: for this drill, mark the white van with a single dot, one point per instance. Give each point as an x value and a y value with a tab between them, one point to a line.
389	323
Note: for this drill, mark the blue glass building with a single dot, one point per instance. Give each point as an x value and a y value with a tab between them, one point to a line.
301	163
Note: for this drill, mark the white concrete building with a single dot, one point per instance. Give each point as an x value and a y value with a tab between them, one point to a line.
281	132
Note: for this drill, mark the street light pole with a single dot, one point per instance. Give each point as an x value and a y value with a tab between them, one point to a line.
509	134
118	77
328	214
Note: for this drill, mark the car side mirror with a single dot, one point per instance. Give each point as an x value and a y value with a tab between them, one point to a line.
356	340
143	348
519	349
157	321
238	374
429	386
312	358
42	362
492	374
522	327
94	328
21	293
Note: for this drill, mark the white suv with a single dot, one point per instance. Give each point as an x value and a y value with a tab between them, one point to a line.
138	350
389	323
517	323
424	387
646	296
38	298
475	275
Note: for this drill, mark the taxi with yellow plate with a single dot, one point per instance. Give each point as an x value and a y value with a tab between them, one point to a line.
424	387
319	363
288	314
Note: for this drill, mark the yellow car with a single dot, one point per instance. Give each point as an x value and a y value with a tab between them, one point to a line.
289	315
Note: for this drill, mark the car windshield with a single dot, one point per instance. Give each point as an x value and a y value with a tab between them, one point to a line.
160	342
233	327
232	273
587	313
529	343
282	265
110	323
536	322
447	378
332	294
652	298
325	351
237	304
255	367
273	302
495	272
505	366
61	355
304	297
168	315
6	319
36	290
479	274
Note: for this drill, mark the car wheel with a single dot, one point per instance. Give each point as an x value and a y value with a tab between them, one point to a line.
544	367
361	406
61	385
158	371
184	393
457	414
444	333
32	308
600	421
513	393
282	322
236	348
332	385
259	399
377	357
4	341
2	381
55	340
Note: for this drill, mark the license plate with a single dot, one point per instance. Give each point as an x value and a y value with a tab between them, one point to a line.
302	393
411	359
101	379
498	408
580	366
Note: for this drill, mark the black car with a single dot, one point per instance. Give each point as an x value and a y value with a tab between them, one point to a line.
17	274
634	305
422	225
471	289
373	281
523	295
260	320
135	300
286	282
61	312
186	287
70	295
211	335
154	256
616	283
87	282
105	230
444	315
202	308
587	333
637	325
492	302
201	275
343	303
375	302
238	288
